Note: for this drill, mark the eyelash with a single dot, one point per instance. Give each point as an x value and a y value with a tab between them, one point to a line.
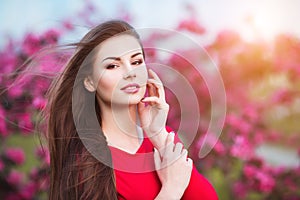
112	66
136	62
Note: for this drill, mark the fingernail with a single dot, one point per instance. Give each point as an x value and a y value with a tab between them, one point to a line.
172	134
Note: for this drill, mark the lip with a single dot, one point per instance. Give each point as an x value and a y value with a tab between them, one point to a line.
131	88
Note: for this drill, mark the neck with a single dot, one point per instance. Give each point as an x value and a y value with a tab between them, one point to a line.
119	124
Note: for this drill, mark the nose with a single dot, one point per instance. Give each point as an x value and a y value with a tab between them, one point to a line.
129	71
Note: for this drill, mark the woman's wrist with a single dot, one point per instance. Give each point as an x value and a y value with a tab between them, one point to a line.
159	139
167	193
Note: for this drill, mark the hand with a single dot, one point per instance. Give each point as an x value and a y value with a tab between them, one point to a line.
153	116
173	169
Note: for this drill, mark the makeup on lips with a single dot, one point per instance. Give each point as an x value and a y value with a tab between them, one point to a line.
131	88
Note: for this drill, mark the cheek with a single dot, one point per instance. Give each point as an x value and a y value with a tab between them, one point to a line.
105	85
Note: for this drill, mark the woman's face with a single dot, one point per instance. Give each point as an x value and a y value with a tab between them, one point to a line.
119	71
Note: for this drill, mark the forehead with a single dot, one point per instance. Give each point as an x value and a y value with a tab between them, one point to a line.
118	46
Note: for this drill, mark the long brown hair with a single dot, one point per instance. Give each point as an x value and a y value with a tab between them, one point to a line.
75	172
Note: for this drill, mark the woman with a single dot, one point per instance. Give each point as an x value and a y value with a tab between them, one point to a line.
102	130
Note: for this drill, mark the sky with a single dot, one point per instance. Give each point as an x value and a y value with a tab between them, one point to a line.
251	18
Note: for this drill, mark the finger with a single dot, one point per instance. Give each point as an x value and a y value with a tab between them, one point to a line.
152	99
178	148
159	88
155	101
143	112
169	144
141	107
155	86
184	153
156	82
170	137
152	90
189	162
157	160
149	91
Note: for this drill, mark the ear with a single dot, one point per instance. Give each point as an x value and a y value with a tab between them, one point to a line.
89	84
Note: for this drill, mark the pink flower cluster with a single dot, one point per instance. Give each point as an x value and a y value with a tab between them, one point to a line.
43	154
191	25
16	155
22	94
244	67
262	180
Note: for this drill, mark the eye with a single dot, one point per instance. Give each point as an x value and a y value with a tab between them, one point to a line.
111	66
137	62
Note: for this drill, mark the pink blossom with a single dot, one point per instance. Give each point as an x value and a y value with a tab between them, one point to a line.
68	25
228	38
28	191
19	85
50	65
274	135
178	62
41	85
16	155
34	174
25	123
232	120
266	182
240	189
251	113
249	171
191	25
51	36
43	154
44	185
211	141
40	152
282	95
277	170
31	44
244	127
15	177
239	123
241	148
3	128
259	136
290	184
39	103
15	91
8	62
47	159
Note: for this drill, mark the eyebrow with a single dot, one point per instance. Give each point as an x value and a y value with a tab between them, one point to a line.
118	58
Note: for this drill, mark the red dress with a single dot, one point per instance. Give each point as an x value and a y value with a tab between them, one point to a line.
136	177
